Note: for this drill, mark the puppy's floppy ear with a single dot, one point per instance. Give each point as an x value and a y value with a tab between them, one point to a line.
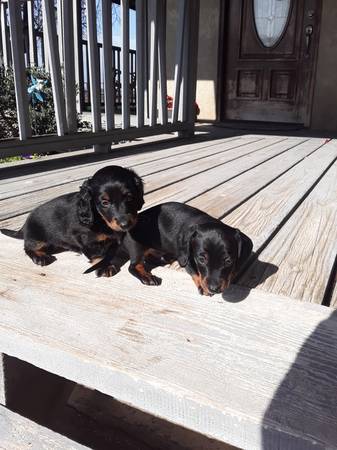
85	207
140	191
184	245
245	247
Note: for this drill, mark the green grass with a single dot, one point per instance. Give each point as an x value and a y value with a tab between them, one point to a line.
10	159
17	158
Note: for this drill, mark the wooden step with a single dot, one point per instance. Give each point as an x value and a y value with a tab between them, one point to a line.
252	369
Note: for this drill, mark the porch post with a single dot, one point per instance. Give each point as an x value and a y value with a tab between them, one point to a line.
190	72
4	34
20	81
31	33
78	58
66	7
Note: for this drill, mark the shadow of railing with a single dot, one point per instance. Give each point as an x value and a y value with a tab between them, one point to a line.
205	134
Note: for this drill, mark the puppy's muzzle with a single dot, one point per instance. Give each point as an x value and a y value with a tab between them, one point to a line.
214	288
218	286
125	223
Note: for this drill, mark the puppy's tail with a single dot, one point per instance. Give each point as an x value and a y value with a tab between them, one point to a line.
99	265
16	234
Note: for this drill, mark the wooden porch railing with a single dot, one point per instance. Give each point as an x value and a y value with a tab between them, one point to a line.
62	44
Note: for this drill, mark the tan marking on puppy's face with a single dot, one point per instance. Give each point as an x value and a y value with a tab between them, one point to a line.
40	248
100	237
226	283
204	286
196	279
200	284
112	224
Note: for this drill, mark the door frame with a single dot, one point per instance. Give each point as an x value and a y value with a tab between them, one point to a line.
224	40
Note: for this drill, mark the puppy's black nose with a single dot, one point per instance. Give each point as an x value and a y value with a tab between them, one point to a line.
124	224
214	288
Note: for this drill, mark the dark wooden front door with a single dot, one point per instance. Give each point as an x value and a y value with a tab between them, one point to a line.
270	56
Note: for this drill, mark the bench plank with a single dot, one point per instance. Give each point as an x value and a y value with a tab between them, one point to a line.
239	372
18	433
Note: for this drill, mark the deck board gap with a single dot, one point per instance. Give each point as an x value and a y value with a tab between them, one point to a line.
136	165
219	165
284	220
247	198
229	211
331	286
31	169
231	178
198	159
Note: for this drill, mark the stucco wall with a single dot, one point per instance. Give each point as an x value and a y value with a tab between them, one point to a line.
324	112
208	54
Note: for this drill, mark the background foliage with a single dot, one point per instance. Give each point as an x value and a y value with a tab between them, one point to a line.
42	114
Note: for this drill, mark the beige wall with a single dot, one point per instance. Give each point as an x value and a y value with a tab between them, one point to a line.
324	112
324	109
208	58
208	54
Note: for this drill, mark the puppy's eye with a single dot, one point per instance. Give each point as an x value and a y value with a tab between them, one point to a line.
129	197
228	261
202	258
105	203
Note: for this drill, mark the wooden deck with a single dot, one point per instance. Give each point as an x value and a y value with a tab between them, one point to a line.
219	366
281	191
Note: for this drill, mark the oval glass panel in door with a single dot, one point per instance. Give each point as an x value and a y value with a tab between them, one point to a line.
271	18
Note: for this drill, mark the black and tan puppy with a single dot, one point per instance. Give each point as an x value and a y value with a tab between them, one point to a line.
90	221
211	252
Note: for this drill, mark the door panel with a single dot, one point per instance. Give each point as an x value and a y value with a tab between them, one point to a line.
270	59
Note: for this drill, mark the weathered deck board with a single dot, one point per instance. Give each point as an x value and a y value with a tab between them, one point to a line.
189	188
14	222
261	215
215	163
227	196
150	161
305	247
238	372
26	202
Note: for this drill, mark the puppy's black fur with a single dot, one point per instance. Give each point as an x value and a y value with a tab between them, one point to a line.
90	221
211	252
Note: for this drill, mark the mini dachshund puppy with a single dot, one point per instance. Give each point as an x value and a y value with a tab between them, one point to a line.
90	221
210	251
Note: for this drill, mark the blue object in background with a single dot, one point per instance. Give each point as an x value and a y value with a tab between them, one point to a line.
35	90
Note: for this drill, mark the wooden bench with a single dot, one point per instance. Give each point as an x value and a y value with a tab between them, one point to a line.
254	370
17	432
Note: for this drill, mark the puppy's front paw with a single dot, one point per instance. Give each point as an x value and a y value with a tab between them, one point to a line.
108	271
144	276
44	260
151	280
